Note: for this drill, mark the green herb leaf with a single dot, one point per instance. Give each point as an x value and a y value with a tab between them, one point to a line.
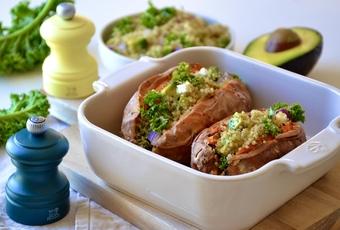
275	107
223	162
170	38
270	128
214	73
155	17
279	105
224	41
22	107
296	113
141	44
123	26
157	113
235	76
182	74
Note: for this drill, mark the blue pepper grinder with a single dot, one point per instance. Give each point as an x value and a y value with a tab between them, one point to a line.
37	193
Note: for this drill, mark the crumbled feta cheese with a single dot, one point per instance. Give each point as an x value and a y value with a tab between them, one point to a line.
186	87
203	72
229	157
146	32
280	118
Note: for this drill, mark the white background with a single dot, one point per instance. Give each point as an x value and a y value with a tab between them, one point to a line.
248	19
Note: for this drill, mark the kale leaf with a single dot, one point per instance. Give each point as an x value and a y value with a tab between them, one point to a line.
21	46
22	107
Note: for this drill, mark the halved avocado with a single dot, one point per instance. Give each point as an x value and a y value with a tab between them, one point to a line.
296	49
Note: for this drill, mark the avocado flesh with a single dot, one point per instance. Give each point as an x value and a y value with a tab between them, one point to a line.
299	59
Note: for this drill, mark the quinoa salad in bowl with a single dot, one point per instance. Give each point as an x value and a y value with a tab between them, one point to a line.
157	32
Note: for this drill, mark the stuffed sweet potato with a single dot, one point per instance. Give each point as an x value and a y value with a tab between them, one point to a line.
244	142
170	109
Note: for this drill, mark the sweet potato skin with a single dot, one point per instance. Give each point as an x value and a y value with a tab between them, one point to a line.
204	158
131	114
175	142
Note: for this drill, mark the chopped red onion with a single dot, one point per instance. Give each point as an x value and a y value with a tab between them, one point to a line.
152	136
177	48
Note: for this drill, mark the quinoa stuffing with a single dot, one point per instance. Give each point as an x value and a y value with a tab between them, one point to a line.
177	97
244	131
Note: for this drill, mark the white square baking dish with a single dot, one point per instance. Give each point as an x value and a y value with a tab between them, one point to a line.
209	201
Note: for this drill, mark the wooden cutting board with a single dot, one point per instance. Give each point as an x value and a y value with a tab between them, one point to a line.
317	207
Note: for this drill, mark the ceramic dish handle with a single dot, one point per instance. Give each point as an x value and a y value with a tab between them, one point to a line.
123	74
319	148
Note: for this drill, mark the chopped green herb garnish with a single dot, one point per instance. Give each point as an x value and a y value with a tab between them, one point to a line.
158	112
140	44
223	162
166	50
296	112
270	128
187	41
275	107
124	26
170	38
224	41
155	17
174	41
214	73
278	105
182	74
235	76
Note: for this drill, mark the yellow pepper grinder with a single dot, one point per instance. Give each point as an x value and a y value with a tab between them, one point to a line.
69	70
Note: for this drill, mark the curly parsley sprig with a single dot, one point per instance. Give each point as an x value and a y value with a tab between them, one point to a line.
295	111
157	113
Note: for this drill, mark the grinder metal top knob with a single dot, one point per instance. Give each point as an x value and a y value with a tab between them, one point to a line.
37	193
66	10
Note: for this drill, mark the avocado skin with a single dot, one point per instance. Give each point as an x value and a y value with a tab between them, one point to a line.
305	63
301	64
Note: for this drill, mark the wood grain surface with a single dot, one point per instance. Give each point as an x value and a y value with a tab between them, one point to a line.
317	207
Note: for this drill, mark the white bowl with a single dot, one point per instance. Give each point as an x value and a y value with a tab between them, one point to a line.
113	60
203	200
